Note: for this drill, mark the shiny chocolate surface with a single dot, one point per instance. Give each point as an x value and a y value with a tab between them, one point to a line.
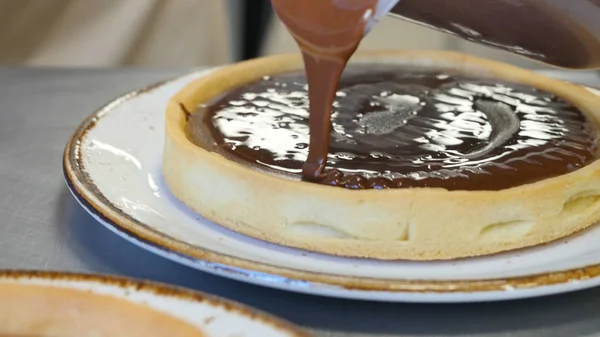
397	127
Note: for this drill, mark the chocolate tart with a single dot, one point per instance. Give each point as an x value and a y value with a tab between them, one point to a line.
412	222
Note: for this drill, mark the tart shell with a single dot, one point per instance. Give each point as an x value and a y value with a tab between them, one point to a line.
408	224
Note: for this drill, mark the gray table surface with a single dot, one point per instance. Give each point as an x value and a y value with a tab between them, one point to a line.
42	227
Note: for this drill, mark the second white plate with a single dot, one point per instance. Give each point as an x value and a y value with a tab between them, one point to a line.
112	166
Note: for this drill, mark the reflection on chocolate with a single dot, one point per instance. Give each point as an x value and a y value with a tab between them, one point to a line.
396	127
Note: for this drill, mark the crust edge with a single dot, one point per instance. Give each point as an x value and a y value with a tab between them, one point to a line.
391	224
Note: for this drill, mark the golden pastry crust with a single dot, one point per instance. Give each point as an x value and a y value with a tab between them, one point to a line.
410	224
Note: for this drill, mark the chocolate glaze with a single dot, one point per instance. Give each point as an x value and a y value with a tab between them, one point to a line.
399	127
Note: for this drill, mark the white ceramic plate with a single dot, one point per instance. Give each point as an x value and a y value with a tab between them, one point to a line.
60	304
112	166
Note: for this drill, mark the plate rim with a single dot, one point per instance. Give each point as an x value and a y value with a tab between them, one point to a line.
156	289
81	185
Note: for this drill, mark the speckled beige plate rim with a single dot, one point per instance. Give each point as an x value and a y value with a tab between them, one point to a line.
242	269
154	288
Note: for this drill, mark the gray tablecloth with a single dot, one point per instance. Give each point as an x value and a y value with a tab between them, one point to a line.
42	227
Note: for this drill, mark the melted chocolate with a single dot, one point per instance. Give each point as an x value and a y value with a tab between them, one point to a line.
565	33
562	32
397	127
328	33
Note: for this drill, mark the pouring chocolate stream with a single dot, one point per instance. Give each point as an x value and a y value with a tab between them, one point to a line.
328	33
